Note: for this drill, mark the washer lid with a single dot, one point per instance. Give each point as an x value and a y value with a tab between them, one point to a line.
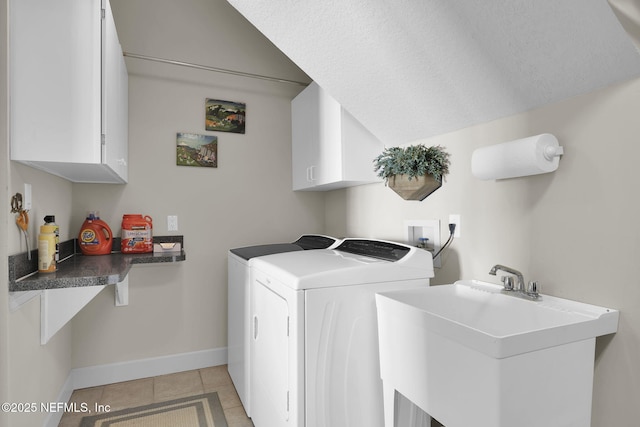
335	267
305	242
315	241
249	252
388	251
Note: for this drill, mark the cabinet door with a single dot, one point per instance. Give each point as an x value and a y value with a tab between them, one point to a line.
68	90
331	149
269	389
55	68
115	95
316	150
305	134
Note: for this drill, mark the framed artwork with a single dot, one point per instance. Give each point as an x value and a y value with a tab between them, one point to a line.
196	150
225	116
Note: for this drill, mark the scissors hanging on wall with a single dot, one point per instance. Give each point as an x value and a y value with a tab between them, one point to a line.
22	219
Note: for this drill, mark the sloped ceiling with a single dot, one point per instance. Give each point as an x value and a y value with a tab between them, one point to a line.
411	69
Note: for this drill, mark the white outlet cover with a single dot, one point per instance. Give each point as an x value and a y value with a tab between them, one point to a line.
27	202
172	223
414	229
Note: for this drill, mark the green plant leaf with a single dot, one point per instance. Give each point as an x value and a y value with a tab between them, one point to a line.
414	161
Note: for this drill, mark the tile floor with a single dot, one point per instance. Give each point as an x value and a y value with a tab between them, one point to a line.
134	393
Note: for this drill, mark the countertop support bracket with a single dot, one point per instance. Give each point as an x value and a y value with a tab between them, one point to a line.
122	292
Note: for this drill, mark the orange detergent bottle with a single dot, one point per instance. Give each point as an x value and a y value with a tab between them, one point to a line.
95	236
137	237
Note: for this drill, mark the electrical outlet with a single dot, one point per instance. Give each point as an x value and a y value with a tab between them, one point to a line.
172	223
455	219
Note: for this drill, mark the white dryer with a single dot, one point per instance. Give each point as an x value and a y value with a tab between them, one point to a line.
314	343
239	262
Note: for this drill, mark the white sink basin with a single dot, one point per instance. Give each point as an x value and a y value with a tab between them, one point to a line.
470	355
478	315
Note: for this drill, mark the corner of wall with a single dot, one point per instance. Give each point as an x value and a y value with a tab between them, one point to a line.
4	220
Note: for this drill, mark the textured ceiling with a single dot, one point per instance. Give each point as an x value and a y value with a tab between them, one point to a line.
411	69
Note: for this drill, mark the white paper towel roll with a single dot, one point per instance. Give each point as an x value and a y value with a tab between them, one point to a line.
522	157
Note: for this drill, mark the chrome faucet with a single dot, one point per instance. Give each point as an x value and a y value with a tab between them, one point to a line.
530	292
519	286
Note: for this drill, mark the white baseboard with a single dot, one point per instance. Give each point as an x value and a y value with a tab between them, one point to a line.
53	418
135	369
93	376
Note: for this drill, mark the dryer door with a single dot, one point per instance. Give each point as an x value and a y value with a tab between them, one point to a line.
269	358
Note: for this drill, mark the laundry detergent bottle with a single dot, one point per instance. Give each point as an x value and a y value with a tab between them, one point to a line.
47	249
137	234
51	220
95	236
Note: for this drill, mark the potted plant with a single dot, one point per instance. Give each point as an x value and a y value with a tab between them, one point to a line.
413	172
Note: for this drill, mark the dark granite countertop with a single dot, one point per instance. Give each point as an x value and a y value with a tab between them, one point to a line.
80	270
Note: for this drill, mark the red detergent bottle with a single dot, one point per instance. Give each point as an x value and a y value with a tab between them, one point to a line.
95	236
137	234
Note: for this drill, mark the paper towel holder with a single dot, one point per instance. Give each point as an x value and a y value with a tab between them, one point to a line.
522	157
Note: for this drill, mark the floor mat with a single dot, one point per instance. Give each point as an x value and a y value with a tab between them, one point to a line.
194	411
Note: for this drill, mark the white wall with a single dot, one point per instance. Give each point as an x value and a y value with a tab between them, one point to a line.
574	230
559	228
246	200
35	373
4	215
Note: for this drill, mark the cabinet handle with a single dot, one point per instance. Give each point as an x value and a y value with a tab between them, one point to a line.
255	327
310	173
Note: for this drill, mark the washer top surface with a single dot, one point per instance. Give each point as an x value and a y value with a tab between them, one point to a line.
305	242
353	262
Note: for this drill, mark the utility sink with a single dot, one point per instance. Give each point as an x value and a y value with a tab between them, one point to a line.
469	354
479	316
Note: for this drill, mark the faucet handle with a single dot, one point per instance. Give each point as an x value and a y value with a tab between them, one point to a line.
533	288
507	282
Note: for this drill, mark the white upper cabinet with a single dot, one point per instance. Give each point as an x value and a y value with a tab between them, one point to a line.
331	149
68	90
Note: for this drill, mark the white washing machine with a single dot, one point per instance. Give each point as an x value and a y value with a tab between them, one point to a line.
314	342
239	262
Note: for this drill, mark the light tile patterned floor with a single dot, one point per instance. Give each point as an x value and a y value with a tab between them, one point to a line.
134	393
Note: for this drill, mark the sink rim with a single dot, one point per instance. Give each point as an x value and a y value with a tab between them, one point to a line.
569	320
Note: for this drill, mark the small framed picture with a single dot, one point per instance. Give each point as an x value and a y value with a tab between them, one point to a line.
197	150
225	116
